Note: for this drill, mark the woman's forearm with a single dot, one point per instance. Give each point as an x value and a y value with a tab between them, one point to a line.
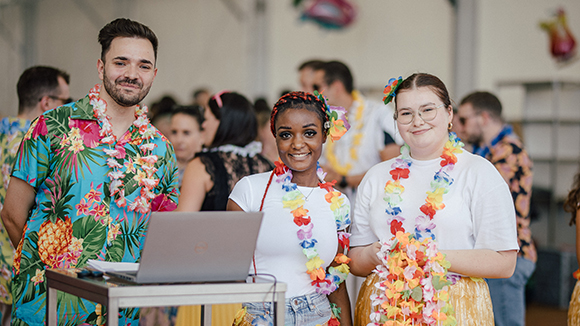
364	259
482	262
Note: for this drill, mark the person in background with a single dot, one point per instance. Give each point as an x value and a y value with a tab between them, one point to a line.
431	223
230	130
372	138
73	196
161	114
39	89
201	97
303	233
480	114
306	74
186	135
263	113
572	206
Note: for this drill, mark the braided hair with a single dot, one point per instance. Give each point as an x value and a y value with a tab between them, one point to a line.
298	100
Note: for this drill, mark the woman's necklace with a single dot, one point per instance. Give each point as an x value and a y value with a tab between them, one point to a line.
306	196
343	169
294	200
418	291
142	168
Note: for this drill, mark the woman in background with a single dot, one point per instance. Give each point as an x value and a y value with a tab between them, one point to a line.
230	131
185	135
572	205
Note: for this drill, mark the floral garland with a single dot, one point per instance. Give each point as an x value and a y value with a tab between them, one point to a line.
294	200
413	280
343	169
144	165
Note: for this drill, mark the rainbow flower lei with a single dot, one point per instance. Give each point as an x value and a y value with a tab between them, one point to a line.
337	124
413	280
294	200
143	167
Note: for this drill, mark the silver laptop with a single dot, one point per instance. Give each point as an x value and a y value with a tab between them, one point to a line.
197	247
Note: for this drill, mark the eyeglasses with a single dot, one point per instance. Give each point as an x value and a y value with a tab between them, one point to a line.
62	100
463	120
406	116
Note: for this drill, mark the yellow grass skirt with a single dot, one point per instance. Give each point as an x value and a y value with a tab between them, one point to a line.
574	308
469	298
221	315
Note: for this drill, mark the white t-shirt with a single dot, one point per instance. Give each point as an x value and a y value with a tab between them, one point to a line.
479	211
377	119
278	251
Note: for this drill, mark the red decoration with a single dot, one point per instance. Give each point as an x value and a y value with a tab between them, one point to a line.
331	14
562	42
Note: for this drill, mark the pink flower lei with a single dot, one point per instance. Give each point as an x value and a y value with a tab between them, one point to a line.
143	167
294	200
413	279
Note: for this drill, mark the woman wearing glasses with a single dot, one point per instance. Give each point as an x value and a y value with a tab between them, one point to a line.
431	223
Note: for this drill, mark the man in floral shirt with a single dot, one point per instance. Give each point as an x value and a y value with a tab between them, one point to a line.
480	115
39	90
86	178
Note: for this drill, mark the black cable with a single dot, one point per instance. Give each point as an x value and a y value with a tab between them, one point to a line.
275	320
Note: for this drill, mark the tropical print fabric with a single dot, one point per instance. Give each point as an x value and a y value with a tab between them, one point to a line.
76	217
515	166
12	131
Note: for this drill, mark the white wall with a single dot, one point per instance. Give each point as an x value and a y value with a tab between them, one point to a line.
203	44
512	46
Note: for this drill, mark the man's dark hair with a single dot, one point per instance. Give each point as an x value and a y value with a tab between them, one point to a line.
36	82
336	70
312	64
123	27
484	101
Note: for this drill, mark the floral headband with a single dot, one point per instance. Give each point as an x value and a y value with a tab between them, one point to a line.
391	89
337	124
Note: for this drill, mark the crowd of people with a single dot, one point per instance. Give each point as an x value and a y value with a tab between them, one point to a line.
436	234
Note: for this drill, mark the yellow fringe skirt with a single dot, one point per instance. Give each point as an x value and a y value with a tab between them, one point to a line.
221	315
469	298
574	308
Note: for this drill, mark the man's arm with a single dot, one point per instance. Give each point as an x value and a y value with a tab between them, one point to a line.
19	200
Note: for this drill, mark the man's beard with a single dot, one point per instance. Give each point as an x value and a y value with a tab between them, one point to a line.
123	99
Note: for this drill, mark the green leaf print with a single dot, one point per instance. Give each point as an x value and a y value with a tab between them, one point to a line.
116	250
133	235
93	234
30	260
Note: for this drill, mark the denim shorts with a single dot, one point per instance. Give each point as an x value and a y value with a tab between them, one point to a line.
311	309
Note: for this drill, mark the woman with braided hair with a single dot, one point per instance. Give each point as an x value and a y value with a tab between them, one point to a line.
302	237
